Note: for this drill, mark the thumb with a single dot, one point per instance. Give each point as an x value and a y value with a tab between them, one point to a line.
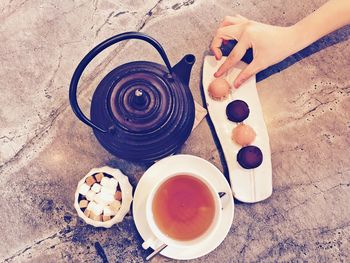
246	73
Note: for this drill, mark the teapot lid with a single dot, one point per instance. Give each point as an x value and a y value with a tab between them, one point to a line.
149	113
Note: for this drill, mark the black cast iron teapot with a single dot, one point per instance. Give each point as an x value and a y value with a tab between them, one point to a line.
140	111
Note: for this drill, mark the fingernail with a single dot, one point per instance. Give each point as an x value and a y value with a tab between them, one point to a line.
217	56
216	74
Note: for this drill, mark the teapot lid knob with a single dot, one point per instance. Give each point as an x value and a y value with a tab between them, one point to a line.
140	99
138	92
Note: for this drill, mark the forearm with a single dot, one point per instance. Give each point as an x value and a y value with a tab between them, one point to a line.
272	44
332	15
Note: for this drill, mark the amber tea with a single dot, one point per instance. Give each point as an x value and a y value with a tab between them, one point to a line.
183	207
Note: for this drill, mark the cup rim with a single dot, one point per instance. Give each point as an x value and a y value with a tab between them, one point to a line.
179	243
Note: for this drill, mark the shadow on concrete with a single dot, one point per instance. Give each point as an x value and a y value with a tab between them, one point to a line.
331	39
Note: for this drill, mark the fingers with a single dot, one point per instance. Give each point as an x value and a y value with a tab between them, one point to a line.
218	39
246	73
232	20
231	28
236	54
230	32
215	47
224	33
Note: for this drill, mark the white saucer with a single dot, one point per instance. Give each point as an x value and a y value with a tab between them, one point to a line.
190	164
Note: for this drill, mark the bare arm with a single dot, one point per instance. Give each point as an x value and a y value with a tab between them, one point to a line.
332	15
272	44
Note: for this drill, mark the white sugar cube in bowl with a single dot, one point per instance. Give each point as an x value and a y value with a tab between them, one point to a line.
103	205
83	188
96	187
90	195
108	190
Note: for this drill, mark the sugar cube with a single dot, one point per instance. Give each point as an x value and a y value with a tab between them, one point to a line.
98	199
91	205
99	177
107	190
83	189
107	211
113	183
104	198
87	212
105	218
97	209
90	195
118	196
115	206
107	198
83	203
95	217
96	188
105	181
90	180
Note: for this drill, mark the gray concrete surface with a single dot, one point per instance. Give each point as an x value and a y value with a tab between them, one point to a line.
45	150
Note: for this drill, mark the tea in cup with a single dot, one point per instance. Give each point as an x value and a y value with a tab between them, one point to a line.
182	210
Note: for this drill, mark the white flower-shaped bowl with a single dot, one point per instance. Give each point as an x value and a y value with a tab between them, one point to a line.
125	188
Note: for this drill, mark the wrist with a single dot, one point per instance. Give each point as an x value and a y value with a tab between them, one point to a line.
299	37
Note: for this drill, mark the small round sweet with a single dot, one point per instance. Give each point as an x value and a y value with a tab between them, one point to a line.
219	89
250	157
237	111
243	134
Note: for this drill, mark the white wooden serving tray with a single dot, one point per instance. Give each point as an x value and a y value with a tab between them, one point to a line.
248	185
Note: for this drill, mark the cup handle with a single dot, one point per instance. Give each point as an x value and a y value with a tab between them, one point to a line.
151	242
224	198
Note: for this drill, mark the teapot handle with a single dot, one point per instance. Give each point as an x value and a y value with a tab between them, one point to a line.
93	53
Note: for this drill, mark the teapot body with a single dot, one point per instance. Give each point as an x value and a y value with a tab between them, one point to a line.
146	131
141	111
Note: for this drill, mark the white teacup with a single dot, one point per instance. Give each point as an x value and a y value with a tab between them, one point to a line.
161	238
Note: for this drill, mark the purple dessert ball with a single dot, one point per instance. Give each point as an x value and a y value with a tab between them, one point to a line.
237	111
250	157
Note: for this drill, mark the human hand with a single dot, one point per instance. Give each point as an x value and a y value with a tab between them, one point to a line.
270	45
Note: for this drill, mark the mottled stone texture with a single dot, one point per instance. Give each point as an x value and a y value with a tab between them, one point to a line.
45	150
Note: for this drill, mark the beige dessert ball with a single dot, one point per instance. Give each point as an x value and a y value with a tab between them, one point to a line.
219	89
243	134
